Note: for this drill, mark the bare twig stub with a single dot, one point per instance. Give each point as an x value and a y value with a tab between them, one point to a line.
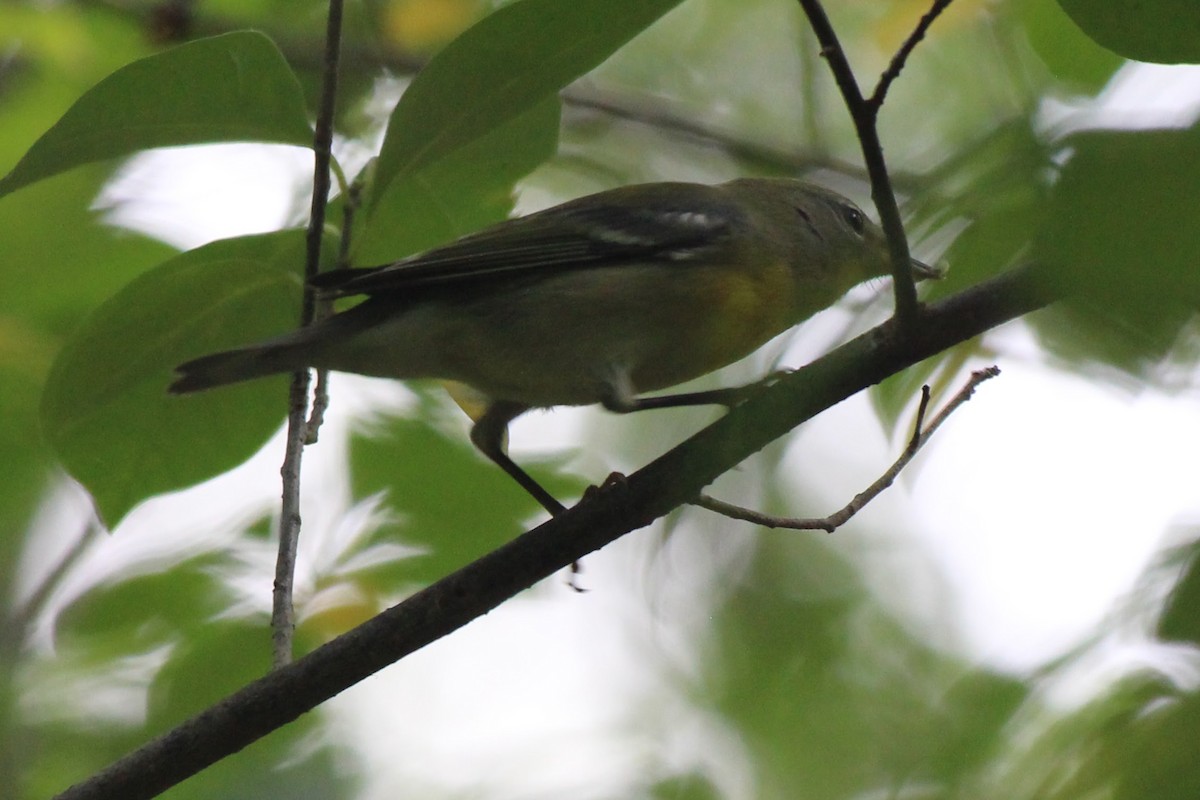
320	403
831	523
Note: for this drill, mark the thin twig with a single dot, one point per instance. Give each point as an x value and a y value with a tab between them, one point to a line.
283	620
864	116
837	519
893	71
351	196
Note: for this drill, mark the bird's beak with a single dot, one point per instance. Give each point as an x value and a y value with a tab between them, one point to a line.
922	271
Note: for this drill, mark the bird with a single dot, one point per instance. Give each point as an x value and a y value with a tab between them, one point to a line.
595	301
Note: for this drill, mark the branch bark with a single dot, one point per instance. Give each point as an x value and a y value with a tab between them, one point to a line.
605	515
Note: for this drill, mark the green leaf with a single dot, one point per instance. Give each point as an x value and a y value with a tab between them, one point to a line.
505	65
693	786
1070	55
234	87
144	611
48	281
1121	225
58	258
459	194
828	690
105	409
1161	761
1119	240
1162	31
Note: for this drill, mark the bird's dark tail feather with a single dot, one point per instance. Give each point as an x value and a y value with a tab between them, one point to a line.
234	366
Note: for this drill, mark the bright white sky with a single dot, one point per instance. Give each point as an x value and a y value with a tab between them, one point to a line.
1042	501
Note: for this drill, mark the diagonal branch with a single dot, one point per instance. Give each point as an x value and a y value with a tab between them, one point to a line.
609	513
829	524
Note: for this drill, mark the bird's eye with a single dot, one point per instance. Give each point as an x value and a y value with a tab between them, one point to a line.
854	218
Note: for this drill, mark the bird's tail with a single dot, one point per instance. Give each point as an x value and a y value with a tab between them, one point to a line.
245	363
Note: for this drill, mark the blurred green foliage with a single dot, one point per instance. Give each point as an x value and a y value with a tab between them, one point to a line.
831	695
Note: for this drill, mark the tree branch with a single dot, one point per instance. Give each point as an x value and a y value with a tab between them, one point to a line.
865	115
608	513
839	518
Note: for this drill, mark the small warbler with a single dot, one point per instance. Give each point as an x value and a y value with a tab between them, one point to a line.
596	300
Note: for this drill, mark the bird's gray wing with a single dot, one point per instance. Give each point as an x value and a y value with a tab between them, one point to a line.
668	222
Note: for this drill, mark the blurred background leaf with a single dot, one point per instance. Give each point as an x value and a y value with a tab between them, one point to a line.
234	87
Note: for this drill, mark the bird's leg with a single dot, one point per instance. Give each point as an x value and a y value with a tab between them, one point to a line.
489	434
